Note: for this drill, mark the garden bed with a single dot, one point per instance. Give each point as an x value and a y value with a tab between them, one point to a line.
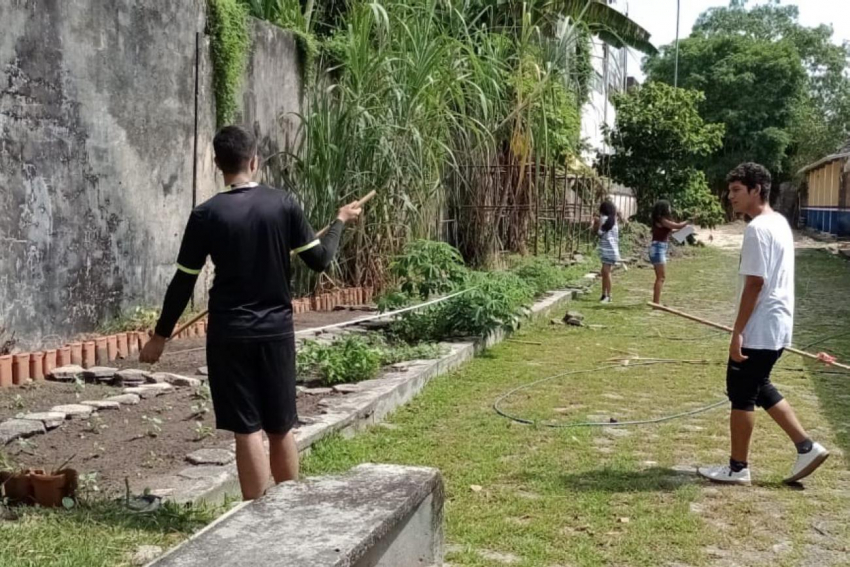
126	443
120	444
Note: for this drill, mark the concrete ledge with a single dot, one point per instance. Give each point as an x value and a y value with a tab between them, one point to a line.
351	412
373	516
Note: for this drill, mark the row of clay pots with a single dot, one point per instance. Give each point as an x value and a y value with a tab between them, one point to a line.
38	487
16	369
330	300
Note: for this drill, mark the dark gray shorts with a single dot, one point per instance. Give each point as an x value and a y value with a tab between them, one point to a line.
748	382
253	385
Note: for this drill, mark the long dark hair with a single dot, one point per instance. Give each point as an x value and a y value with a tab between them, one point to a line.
608	209
660	211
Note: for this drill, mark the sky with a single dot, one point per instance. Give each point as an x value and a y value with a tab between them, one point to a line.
658	17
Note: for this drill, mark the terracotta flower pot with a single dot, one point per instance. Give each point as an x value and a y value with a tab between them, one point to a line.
49	361
123	347
17	487
37	365
63	356
76	353
101	351
143	338
112	347
20	368
6	371
50	489
132	342
89	354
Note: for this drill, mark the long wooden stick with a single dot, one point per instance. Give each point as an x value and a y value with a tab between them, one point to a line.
319	234
729	330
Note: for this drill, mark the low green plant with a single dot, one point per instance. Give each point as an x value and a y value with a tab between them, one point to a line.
153	426
200	409
544	274
137	319
95	425
347	360
203	431
355	358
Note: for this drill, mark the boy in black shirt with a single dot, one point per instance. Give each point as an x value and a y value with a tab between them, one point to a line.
248	230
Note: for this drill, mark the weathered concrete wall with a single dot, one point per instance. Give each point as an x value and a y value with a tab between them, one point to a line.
97	126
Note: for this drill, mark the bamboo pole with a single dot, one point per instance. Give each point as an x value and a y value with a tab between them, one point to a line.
729	330
319	234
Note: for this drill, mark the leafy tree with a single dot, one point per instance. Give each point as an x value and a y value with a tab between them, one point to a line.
781	88
752	86
657	137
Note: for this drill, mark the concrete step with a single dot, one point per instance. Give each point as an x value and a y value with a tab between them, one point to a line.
372	516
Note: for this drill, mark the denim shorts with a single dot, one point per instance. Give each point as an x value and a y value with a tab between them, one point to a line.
658	253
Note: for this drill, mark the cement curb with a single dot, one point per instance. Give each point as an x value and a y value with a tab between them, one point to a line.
347	414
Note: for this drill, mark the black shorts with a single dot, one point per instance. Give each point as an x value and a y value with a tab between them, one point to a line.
253	385
748	382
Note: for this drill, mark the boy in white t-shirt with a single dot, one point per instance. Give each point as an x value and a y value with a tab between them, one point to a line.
763	328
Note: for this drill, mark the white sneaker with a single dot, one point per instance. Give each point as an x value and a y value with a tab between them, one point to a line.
724	474
605	299
807	463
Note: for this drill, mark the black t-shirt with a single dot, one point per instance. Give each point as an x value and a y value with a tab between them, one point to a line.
248	231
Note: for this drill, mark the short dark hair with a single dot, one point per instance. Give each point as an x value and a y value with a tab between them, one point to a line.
234	147
750	175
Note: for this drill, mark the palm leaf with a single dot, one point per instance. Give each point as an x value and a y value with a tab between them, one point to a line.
613	27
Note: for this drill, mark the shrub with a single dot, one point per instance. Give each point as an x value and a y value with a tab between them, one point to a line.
493	300
426	267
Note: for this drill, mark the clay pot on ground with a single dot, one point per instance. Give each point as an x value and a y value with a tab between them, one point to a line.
49	361
17	486
37	365
63	356
123	347
20	368
76	353
143	338
132	342
101	351
50	489
112	347
5	370
89	354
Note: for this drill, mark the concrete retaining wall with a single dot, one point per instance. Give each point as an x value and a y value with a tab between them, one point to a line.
97	134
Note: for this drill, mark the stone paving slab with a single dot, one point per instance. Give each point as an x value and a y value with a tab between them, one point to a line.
381	514
74	411
50	419
13	429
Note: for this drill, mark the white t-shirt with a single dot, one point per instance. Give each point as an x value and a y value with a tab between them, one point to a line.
768	252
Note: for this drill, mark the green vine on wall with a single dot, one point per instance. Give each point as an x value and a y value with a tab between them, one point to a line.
583	64
227	26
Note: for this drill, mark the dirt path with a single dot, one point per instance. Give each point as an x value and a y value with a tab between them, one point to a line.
730	236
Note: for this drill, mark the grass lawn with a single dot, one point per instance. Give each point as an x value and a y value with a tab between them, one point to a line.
98	534
542	497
